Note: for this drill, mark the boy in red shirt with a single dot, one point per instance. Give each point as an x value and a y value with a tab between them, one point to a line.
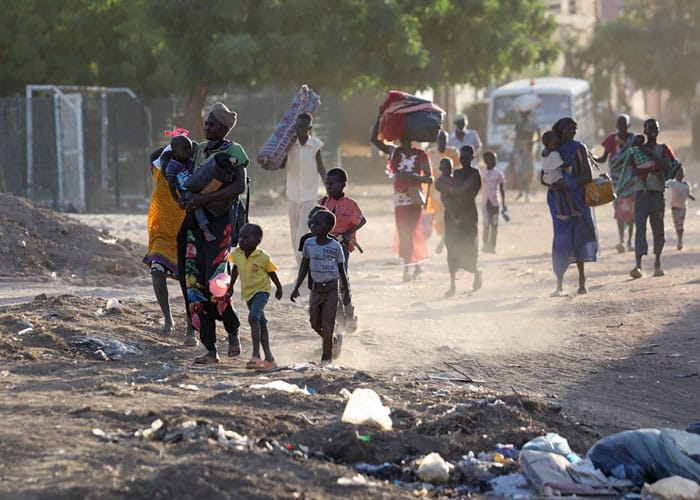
348	219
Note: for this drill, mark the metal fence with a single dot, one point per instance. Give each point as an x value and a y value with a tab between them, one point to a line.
107	169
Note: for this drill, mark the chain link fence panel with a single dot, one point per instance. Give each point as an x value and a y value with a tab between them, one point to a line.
118	133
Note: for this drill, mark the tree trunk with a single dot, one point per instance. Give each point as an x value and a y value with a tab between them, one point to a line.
192	120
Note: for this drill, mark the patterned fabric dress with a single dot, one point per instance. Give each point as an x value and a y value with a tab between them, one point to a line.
200	260
620	163
408	203
164	221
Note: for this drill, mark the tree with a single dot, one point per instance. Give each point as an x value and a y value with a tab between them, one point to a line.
196	46
656	42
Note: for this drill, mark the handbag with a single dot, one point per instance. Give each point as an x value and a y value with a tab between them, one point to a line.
599	190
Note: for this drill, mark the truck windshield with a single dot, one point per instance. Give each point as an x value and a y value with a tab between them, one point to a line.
552	107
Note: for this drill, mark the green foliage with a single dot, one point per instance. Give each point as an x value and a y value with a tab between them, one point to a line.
656	42
162	46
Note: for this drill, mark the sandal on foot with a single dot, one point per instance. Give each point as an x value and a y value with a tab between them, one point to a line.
210	358
266	366
234	351
620	248
636	273
253	364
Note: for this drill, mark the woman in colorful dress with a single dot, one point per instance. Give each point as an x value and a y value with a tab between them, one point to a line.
199	260
164	220
618	153
575	239
409	167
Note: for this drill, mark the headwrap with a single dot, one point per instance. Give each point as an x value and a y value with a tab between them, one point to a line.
224	115
558	127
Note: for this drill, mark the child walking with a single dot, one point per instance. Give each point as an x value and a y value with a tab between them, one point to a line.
256	269
552	167
446	181
492	180
323	257
680	192
348	220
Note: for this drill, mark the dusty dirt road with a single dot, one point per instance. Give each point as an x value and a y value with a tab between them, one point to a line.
624	347
625	355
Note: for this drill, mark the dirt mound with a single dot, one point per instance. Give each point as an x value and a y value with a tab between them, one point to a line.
190	413
70	327
37	242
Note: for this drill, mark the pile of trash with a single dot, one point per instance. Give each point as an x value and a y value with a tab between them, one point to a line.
661	463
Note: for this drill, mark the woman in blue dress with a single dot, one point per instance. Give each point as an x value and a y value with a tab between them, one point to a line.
575	239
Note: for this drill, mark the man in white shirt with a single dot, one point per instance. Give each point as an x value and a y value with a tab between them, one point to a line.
304	167
463	136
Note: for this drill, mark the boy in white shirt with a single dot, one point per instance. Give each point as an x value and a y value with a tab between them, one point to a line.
492	180
680	192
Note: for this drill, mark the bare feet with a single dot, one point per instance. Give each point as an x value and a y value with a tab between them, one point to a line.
477	281
557	293
679	246
636	273
450	291
658	272
406	276
191	340
167	328
582	288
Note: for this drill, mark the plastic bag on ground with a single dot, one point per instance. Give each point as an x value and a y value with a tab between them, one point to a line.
554	443
364	407
281	385
434	469
671	488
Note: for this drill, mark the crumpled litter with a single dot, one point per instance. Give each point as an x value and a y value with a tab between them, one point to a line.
356	480
365	408
281	385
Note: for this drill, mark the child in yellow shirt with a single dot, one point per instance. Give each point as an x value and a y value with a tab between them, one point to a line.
256	269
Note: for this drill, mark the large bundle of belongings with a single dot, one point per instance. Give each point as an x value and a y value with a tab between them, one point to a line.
406	116
274	151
